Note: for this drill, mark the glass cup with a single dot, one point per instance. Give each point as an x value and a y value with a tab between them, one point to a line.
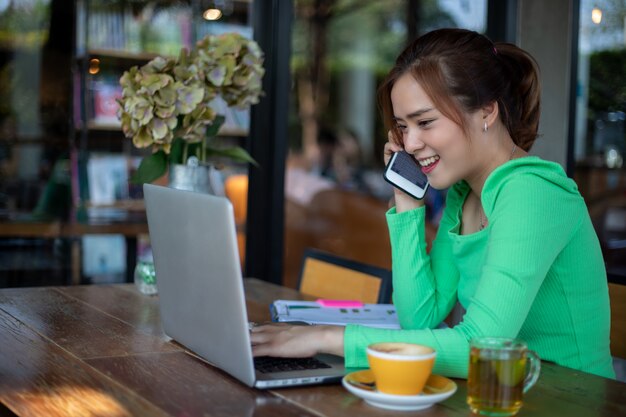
400	368
499	376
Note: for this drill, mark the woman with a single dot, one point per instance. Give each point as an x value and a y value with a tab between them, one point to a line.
515	245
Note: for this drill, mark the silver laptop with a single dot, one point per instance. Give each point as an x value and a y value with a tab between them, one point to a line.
201	294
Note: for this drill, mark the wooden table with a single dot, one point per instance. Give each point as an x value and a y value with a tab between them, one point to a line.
100	351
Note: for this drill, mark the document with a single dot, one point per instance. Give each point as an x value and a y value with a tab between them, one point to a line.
372	315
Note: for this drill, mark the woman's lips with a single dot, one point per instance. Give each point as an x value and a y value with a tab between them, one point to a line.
429	168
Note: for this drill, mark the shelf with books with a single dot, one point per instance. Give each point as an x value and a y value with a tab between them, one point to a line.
102	90
115	126
101	96
104	126
112	37
134	27
119	54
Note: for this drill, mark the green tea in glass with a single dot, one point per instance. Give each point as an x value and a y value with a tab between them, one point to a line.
501	370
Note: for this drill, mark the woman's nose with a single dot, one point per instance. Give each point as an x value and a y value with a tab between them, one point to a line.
413	142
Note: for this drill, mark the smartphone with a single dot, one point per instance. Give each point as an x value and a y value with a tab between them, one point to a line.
405	173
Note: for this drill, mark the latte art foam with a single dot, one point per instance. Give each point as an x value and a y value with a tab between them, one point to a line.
403	349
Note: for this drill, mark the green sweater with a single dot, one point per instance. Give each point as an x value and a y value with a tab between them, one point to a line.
535	272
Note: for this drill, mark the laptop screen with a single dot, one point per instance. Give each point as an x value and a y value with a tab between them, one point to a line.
199	278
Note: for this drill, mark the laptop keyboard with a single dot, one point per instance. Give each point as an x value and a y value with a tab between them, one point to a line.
267	364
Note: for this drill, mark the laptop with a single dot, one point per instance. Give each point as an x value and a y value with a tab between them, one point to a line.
201	294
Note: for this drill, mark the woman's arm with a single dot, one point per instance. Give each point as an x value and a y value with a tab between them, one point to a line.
424	284
531	225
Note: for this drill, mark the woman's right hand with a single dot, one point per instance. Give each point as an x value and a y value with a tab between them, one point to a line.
402	200
296	341
391	147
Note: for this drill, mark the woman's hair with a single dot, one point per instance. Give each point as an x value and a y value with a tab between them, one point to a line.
462	71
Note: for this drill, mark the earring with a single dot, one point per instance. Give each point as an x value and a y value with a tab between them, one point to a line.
485	127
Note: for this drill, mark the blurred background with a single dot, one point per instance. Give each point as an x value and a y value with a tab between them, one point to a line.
68	213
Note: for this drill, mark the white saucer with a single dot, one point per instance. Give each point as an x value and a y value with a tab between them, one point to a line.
361	384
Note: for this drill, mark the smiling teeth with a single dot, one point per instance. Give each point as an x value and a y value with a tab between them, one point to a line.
428	161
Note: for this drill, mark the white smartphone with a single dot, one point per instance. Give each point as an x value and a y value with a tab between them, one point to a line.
405	173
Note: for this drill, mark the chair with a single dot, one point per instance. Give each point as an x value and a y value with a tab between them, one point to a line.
345	223
325	275
617	295
611	229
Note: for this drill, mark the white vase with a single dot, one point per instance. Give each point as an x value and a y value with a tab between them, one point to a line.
196	177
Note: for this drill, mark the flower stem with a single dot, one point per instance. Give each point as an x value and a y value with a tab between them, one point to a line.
185	153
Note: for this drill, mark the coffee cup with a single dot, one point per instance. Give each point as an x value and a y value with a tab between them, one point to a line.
499	376
400	368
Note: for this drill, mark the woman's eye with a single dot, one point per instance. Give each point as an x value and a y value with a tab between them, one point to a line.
425	123
401	128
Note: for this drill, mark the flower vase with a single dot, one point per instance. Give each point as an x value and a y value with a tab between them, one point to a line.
196	177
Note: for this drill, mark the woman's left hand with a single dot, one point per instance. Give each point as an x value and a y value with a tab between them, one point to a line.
287	340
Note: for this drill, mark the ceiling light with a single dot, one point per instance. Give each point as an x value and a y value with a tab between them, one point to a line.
596	15
212	14
94	66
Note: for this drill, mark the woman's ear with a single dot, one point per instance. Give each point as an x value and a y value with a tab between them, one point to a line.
490	113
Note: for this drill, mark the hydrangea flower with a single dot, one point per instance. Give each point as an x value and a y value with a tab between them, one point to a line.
166	102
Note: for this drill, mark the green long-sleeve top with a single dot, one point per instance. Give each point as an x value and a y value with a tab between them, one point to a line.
535	272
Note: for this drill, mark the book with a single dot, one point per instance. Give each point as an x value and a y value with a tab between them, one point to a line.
311	312
107	176
104	257
105	106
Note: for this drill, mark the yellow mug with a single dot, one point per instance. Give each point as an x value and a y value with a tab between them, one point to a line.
400	368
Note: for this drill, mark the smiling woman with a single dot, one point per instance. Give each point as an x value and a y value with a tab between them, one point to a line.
509	243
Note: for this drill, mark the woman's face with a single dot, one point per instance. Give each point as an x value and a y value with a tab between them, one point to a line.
436	142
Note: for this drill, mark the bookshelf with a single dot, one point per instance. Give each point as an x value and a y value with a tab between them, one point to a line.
60	62
112	36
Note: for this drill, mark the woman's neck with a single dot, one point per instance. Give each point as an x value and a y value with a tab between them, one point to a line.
490	161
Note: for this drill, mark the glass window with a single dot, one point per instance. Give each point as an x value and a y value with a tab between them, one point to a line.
335	195
35	79
600	141
34	102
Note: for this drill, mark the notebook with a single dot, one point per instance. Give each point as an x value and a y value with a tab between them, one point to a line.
383	316
201	294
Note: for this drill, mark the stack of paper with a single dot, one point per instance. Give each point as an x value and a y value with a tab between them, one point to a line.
372	315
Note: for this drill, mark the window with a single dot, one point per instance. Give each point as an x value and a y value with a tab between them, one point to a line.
335	196
600	140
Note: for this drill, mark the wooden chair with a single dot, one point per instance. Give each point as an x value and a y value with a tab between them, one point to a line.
346	223
611	228
617	295
325	275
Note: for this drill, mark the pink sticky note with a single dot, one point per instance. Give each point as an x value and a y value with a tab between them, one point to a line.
340	303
